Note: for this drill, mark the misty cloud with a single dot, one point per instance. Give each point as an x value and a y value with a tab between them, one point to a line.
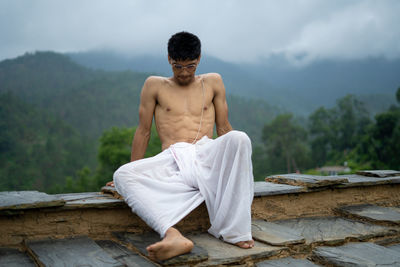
237	31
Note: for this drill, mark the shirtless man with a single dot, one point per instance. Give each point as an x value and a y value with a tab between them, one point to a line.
192	167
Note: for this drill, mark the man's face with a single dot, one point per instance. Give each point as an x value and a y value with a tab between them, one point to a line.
184	70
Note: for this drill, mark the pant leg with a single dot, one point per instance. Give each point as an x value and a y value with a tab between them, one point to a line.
225	179
156	192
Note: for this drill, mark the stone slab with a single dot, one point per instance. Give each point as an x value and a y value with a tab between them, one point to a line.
79	251
372	213
275	234
359	180
309	181
335	230
10	257
379	173
19	200
286	262
90	200
269	189
78	196
395	248
220	252
142	241
357	254
124	255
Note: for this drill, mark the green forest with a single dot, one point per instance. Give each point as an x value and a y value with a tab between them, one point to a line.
67	128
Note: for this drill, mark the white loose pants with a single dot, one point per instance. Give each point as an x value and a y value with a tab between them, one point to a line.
163	189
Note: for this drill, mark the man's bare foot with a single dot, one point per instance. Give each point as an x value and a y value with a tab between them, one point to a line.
173	244
245	244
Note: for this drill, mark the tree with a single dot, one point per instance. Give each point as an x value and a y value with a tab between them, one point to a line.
285	144
381	144
115	150
337	131
398	95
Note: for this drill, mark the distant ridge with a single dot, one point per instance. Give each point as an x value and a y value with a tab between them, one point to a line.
53	111
296	89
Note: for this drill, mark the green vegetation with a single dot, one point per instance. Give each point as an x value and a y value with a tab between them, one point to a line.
344	133
114	151
56	116
66	128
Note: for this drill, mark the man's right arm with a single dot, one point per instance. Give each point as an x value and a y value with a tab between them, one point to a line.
147	106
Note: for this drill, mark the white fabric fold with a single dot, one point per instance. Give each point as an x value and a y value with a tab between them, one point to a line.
163	189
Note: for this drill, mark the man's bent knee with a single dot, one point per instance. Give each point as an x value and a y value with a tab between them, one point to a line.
239	137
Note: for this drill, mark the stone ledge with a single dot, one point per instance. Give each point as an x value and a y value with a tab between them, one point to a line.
22	200
379	173
309	181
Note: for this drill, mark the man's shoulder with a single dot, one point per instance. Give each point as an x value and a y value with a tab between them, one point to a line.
153	84
212	76
215	81
155	80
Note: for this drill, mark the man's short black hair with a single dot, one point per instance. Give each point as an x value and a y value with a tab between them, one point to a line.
184	46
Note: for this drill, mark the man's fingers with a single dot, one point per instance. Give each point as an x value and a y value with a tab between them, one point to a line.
110	183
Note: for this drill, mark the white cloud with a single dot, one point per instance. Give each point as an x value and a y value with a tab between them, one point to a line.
231	30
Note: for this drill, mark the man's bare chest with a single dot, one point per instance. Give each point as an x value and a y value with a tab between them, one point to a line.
177	102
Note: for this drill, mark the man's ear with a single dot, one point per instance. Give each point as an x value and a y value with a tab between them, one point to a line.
169	59
198	59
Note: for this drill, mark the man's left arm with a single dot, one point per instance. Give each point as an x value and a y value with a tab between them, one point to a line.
220	105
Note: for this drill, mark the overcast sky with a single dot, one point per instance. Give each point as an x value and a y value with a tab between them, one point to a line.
235	31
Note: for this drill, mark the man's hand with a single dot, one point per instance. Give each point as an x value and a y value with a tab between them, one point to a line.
110	183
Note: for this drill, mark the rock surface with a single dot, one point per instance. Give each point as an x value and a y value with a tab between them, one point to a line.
372	212
395	248
269	189
359	180
334	230
90	200
124	255
19	200
379	173
142	241
10	257
310	181
80	251
357	254
286	262
220	252
275	234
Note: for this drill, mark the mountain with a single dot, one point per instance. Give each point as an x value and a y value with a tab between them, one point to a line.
297	89
53	111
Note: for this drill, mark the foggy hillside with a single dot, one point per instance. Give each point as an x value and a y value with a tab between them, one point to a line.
296	89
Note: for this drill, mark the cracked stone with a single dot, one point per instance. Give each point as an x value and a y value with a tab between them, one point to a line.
373	213
269	189
79	251
379	173
10	257
334	230
90	200
18	200
359	180
275	234
395	248
310	181
124	255
220	252
357	254
286	262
